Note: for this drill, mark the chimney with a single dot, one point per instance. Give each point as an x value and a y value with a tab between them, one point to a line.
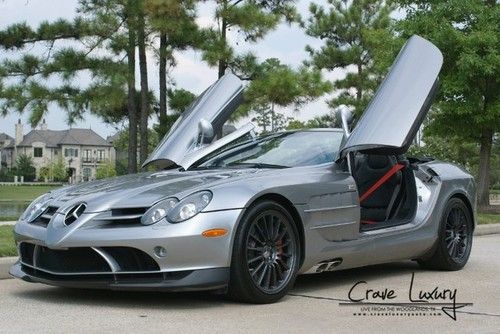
19	132
44	125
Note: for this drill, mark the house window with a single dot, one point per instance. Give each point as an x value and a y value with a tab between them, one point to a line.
71	152
37	152
87	155
86	174
101	155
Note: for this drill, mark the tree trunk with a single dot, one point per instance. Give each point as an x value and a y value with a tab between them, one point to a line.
222	66
483	184
273	116
222	62
359	91
163	75
131	104
143	70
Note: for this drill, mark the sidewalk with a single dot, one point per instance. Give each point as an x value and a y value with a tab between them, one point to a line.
7	223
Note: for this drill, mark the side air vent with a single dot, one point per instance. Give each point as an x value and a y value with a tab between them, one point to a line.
74	213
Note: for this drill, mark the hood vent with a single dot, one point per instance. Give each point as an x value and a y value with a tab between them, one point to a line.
118	217
44	219
74	213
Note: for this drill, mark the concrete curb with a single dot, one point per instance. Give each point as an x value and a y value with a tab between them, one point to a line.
486	229
7	223
7	262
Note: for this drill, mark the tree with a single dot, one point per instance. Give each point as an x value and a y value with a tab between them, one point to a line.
143	70
276	84
269	120
131	93
468	34
25	167
358	39
177	29
329	120
58	171
105	170
253	19
178	101
100	32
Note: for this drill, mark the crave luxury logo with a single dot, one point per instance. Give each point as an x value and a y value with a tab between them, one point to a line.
434	301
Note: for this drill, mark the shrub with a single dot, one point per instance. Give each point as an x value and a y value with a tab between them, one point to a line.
105	170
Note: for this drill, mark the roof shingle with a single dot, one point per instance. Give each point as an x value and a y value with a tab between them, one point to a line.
55	138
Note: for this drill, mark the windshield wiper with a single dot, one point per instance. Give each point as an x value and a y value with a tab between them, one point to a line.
255	165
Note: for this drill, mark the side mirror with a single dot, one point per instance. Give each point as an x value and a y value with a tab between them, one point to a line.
205	132
347	117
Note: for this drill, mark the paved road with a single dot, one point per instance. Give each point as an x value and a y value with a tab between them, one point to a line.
312	307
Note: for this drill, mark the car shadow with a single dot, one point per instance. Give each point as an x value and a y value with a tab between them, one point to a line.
189	300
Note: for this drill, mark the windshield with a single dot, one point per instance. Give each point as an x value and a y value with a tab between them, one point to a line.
283	150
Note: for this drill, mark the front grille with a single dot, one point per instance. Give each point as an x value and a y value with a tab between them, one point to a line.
131	259
72	260
85	260
44	219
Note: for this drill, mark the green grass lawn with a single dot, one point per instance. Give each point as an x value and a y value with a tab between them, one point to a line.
23	193
7	246
488	218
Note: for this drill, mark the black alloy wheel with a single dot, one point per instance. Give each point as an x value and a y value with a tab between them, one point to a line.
266	254
270	251
454	243
456	233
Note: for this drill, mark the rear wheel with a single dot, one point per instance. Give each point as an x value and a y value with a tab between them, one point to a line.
266	255
455	238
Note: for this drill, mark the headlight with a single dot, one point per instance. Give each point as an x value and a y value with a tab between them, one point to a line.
36	208
189	206
158	211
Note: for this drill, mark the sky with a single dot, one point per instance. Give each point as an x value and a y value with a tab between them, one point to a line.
286	43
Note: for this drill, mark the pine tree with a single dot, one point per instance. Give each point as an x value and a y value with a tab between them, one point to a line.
358	39
174	23
468	34
278	85
253	19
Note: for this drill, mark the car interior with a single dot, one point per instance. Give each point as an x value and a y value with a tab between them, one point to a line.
387	189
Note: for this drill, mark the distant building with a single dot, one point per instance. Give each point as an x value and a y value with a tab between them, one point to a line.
5	140
82	150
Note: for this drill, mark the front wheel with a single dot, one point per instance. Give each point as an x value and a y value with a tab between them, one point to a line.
266	255
455	238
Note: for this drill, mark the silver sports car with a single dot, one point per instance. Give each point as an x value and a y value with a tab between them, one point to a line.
246	214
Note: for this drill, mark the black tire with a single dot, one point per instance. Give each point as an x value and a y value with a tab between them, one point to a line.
264	264
455	238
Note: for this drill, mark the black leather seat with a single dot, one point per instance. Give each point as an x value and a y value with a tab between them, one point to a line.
368	170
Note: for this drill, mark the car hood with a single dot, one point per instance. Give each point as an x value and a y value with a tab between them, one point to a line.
398	108
142	190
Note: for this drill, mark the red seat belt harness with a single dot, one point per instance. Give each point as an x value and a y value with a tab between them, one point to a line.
397	167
